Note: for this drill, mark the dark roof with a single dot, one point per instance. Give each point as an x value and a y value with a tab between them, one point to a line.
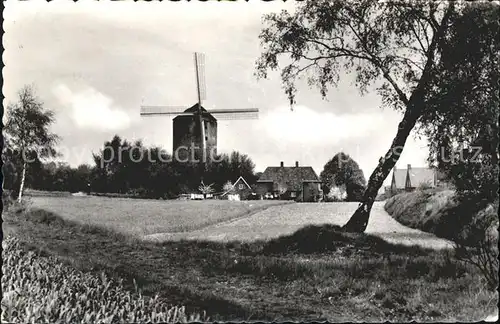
234	185
289	177
194	109
418	176
243	180
399	176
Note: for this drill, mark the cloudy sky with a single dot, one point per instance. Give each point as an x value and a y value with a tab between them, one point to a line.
96	62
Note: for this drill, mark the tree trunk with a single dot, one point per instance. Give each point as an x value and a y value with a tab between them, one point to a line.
359	220
414	109
21	188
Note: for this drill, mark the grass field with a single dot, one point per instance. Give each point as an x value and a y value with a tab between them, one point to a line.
140	217
287	219
316	273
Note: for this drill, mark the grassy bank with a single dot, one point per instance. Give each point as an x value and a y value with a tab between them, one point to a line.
318	273
435	211
422	209
471	223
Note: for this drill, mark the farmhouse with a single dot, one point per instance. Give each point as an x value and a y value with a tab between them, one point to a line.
295	183
410	178
240	188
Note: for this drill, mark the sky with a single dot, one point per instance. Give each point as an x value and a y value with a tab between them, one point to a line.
94	63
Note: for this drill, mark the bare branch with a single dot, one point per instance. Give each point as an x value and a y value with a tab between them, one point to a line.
379	65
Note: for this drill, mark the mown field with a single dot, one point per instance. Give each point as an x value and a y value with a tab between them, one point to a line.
140	217
316	273
277	221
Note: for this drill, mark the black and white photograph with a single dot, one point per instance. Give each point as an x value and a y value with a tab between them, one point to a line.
250	161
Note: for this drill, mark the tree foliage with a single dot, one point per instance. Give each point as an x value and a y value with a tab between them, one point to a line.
123	167
228	187
462	120
395	46
206	189
386	44
461	124
27	135
342	170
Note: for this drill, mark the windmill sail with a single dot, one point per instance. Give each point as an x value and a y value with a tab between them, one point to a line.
162	110
199	59
242	113
205	133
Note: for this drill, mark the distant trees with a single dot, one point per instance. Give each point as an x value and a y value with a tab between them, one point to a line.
27	137
119	167
60	176
131	168
343	171
123	167
228	187
229	168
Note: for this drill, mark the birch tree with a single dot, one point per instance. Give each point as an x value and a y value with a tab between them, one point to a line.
392	46
27	133
206	189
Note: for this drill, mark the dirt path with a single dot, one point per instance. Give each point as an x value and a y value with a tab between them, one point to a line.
286	219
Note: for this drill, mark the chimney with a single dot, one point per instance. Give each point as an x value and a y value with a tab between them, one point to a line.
409	166
296	164
281	164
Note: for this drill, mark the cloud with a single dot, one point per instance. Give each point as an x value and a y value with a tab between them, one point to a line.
136	52
91	109
304	125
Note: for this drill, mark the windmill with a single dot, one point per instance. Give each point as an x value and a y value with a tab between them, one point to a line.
192	125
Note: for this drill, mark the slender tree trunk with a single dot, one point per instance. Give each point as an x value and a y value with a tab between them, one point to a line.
359	220
21	188
414	108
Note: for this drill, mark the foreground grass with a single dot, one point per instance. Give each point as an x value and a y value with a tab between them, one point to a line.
37	289
140	217
317	273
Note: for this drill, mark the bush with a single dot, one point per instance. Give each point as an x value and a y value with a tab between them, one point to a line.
39	289
336	194
7	199
471	223
424	186
477	242
10	203
343	170
385	195
355	192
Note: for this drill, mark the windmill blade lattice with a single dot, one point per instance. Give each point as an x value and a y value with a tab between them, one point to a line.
162	110
234	114
199	59
237	116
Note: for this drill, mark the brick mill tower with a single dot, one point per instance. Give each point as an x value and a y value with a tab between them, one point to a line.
196	127
187	135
